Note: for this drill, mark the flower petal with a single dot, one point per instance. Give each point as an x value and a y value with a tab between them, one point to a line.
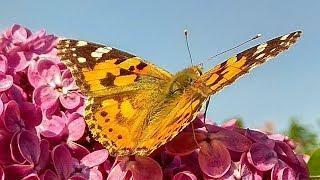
14	148
95	174
50	72
32	176
229	137
95	158
184	175
145	168
45	96
5	153
2	175
76	127
49	175
31	114
44	158
17	171
282	171
62	161
6	81
184	143
12	120
77	150
70	100
29	145
119	171
52	127
214	159
262	157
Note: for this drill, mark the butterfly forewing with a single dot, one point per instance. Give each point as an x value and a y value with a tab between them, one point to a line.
230	70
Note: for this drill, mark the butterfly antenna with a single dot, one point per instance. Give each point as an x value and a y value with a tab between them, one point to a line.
187	43
235	47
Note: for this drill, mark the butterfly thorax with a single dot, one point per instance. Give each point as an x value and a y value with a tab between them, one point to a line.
184	79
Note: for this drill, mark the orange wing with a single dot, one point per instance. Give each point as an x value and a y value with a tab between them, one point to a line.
230	70
99	70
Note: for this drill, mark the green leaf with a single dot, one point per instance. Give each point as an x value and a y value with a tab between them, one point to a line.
314	163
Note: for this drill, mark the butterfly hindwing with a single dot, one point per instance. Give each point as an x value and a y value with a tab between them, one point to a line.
230	70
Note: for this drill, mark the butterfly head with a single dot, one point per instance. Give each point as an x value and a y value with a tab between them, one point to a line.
185	78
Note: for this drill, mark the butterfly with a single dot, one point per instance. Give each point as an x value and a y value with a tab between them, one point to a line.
134	107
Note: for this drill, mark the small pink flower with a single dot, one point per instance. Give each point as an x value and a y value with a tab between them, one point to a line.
52	86
68	167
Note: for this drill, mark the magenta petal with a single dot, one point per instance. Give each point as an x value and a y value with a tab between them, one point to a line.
17	171
19	34
78	151
184	175
262	157
76	127
6	81
184	143
29	145
214	159
1	107
15	151
12	120
34	77
50	72
45	96
95	174
119	171
2	175
70	100
145	168
62	161
95	158
31	114
18	61
49	175
229	137
5	153
32	176
3	63
52	127
285	152
247	171
282	171
44	155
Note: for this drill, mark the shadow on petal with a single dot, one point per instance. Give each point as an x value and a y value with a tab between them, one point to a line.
184	143
184	175
214	159
145	168
262	157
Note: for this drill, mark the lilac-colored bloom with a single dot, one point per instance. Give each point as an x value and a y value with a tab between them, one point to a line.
86	168
52	86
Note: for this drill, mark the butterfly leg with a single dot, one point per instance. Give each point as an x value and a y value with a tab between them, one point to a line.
206	110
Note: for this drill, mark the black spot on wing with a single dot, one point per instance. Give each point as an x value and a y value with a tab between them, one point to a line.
108	80
141	65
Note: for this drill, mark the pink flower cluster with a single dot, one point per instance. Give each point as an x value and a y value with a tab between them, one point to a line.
43	134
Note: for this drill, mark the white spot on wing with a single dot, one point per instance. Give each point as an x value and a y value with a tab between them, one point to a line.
260	56
260	48
100	51
81	60
81	43
284	37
